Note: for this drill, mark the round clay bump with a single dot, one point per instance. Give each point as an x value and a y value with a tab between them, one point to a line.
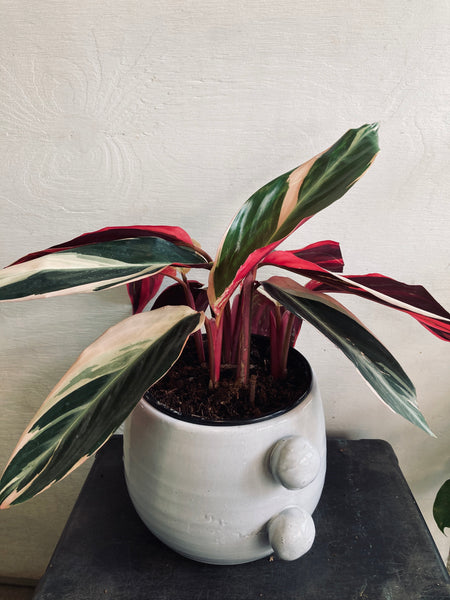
294	462
291	533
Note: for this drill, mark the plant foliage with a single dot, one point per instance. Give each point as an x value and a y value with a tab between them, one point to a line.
441	506
110	376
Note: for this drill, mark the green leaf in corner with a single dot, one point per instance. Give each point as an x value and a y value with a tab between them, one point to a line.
376	364
441	507
94	397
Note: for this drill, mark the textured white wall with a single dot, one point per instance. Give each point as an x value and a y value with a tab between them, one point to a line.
174	112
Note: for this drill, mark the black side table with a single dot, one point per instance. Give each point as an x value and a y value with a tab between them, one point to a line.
371	543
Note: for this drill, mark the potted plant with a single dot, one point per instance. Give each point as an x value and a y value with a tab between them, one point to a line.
174	447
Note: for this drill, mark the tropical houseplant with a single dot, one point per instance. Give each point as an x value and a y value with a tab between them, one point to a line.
108	380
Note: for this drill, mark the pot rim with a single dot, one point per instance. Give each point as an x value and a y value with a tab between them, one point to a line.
239	422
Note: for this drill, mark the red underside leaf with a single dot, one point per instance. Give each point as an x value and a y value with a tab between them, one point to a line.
410	299
326	254
415	295
142	291
175	295
177	235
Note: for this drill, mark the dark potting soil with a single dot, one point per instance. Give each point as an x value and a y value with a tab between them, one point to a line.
184	390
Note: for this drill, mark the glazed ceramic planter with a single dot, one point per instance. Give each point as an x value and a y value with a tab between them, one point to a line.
227	493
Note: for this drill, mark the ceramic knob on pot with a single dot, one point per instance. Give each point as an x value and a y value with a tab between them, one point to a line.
291	533
294	462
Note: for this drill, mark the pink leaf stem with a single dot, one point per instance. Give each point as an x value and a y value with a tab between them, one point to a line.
243	362
274	319
214	333
287	324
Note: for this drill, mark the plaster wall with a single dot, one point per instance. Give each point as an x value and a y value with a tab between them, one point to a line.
174	112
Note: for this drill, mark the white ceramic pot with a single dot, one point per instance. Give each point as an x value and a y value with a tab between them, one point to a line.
228	494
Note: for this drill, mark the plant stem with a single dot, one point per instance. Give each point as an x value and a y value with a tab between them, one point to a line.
275	350
243	362
236	323
218	350
210	334
285	343
227	347
206	256
191	303
214	333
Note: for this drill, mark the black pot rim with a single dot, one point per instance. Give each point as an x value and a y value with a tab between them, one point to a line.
233	422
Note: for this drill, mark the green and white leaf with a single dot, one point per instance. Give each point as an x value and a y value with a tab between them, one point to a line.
279	207
376	364
93	267
94	397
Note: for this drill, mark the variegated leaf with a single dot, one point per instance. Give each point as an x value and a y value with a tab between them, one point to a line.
94	397
376	364
413	300
281	206
176	235
93	267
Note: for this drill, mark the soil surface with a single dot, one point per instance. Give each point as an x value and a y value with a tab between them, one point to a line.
183	391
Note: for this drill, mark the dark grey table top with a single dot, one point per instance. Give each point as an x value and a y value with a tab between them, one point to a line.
371	543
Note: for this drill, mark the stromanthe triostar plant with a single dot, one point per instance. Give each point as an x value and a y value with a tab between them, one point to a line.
111	375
